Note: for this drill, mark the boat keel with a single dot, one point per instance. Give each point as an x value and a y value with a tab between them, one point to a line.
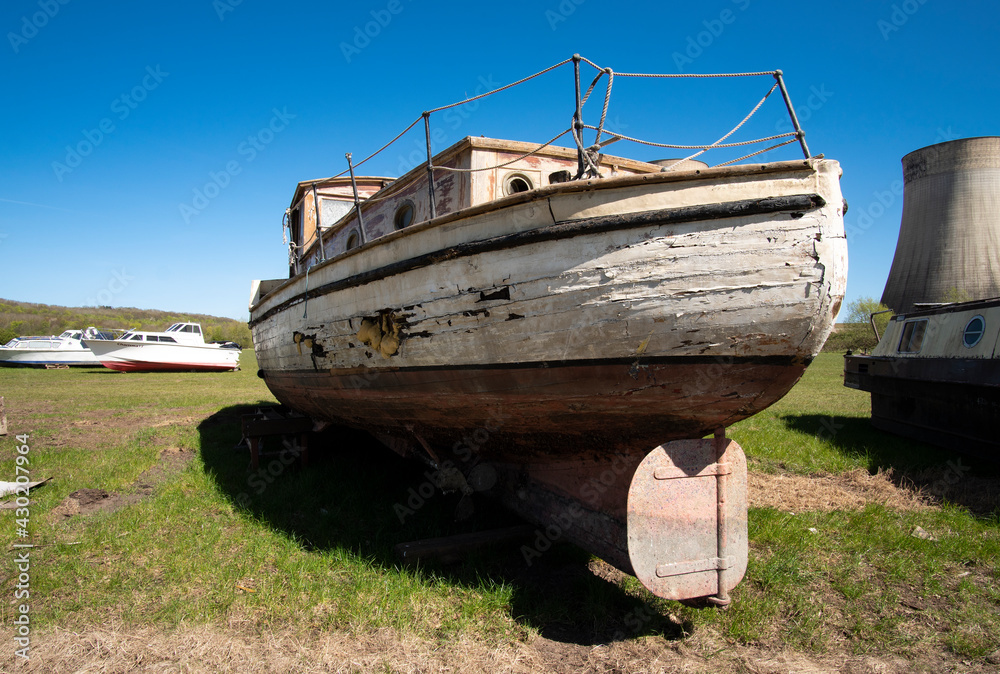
676	518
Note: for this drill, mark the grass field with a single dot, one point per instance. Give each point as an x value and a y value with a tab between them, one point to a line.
173	531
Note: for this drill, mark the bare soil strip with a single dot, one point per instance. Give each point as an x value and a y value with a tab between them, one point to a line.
206	648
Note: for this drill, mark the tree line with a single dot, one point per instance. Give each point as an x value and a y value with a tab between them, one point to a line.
25	318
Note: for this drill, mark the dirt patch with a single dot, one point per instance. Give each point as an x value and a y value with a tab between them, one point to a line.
90	501
84	502
847	491
204	648
97	429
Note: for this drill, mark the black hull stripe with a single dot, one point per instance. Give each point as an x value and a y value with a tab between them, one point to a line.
780	361
563	230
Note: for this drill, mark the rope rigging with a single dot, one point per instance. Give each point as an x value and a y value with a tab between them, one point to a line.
589	157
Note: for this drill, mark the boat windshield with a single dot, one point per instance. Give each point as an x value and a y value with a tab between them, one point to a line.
185	327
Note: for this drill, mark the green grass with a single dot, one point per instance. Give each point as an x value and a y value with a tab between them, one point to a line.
823	427
312	549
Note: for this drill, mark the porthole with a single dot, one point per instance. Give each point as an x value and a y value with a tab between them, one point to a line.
404	215
974	330
352	241
515	183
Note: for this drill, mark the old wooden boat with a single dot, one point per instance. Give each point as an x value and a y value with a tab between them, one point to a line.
181	347
935	376
559	329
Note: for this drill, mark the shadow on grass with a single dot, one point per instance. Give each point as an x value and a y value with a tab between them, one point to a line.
357	495
940	474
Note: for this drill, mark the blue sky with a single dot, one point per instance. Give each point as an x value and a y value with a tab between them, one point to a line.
118	115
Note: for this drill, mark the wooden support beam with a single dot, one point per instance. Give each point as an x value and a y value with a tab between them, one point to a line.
276	422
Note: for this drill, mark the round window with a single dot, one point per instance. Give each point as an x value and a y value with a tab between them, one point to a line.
974	330
352	241
516	182
404	215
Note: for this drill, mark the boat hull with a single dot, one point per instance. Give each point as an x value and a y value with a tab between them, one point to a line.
143	357
607	404
566	296
41	357
950	402
935	377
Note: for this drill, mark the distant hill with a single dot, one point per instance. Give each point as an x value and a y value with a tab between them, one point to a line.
25	318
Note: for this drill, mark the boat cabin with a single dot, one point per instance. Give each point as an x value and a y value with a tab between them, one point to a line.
473	171
178	333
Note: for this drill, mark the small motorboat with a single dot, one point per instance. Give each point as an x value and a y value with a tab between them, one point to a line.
67	348
181	347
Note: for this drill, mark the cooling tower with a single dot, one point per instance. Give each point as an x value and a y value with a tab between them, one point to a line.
949	237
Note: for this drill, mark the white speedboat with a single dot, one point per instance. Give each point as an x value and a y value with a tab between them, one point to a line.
65	349
180	347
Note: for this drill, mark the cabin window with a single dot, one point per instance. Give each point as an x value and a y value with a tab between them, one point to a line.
974	331
352	241
913	336
164	338
152	338
333	210
136	338
404	215
516	182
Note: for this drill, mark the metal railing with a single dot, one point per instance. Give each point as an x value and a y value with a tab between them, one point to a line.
587	156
